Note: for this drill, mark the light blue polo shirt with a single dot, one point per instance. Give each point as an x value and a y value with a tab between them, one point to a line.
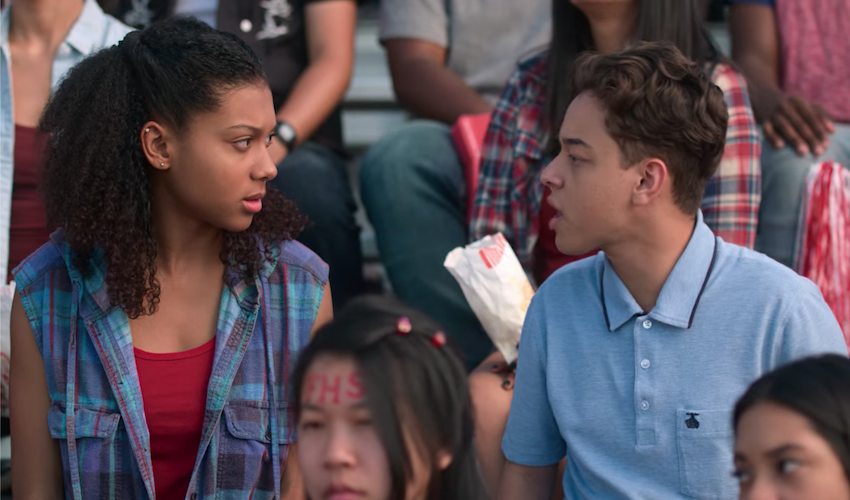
641	403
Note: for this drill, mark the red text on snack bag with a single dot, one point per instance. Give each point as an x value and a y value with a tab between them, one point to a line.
493	255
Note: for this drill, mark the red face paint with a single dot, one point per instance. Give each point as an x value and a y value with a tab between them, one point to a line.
310	387
331	389
355	387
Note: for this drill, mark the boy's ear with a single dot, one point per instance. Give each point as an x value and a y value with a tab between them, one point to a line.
653	177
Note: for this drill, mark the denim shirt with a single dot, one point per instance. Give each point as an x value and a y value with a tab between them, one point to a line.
92	31
97	412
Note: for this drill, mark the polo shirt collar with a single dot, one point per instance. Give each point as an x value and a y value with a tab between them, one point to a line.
87	33
680	295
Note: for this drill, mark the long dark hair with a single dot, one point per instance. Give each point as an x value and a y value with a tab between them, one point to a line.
676	21
818	388
410	380
96	184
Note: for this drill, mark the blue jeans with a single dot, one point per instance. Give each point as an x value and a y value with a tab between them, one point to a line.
412	185
315	178
783	178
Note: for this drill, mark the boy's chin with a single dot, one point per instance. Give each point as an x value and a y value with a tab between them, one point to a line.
574	248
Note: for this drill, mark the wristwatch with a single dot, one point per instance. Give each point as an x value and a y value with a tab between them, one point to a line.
286	134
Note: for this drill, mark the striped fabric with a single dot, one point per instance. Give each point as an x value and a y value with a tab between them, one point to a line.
97	414
509	191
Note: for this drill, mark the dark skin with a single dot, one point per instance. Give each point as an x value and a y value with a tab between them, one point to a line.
425	86
787	119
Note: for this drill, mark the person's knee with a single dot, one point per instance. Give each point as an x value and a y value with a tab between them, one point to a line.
308	165
783	173
318	183
783	176
419	148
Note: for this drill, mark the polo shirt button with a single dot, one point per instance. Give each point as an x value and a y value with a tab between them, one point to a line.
644	364
647	324
193	496
246	25
644	405
269	434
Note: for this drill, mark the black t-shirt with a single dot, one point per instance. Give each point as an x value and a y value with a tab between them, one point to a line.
274	29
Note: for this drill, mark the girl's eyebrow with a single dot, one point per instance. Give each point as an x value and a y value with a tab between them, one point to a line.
254	130
781	450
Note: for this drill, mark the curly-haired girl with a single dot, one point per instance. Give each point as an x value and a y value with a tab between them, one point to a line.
154	333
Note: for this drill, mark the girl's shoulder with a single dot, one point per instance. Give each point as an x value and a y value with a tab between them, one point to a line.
50	259
294	256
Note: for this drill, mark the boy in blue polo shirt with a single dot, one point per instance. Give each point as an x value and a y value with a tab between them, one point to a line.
631	361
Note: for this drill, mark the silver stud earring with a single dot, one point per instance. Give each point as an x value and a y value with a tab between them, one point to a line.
147	130
162	164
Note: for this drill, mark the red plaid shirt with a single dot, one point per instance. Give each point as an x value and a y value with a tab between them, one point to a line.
509	191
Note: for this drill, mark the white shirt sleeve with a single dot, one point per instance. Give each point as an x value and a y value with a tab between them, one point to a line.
418	19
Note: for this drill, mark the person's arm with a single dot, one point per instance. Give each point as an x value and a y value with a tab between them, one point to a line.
491	391
755	47
730	205
330	27
532	443
531	483
37	463
424	85
292	484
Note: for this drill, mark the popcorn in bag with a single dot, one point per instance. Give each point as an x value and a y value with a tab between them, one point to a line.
496	287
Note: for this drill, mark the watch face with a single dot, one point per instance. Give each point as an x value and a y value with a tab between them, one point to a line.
285	132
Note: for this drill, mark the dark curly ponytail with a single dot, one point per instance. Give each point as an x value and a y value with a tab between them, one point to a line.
96	185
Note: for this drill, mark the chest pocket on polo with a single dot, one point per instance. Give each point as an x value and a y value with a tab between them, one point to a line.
704	439
245	452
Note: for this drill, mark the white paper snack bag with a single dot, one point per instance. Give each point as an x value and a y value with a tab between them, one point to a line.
496	288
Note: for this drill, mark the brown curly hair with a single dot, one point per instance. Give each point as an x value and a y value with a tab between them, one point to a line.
96	185
659	103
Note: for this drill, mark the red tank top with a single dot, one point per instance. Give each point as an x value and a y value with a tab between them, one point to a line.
547	258
174	393
27	229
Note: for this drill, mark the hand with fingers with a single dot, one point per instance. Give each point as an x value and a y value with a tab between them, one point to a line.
804	126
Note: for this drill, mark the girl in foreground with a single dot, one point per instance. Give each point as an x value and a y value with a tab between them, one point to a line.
792	428
383	409
153	335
